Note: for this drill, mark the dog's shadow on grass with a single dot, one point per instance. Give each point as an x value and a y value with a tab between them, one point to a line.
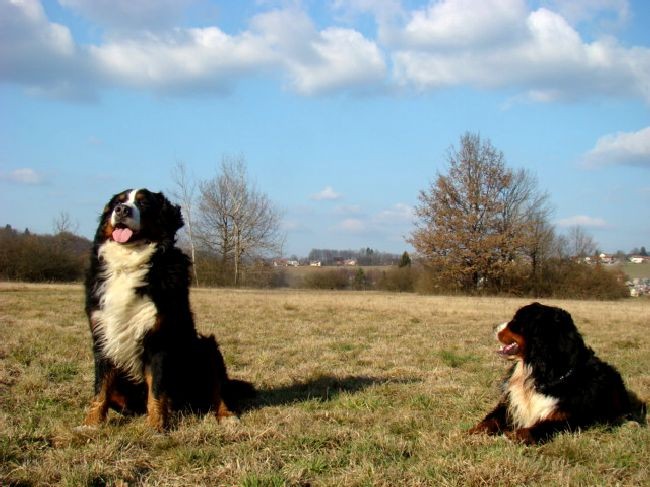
323	388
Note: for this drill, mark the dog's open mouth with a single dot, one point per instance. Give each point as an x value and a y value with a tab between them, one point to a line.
122	234
509	350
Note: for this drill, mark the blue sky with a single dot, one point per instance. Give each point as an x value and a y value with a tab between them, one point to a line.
343	110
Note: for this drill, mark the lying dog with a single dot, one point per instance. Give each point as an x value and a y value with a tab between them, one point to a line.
556	383
148	354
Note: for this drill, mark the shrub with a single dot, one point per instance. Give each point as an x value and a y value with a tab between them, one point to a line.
399	279
327	279
263	276
557	278
42	258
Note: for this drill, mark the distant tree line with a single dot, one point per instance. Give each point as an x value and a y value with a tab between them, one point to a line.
25	256
365	257
481	228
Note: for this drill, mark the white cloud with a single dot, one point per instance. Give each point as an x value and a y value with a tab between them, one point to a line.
208	59
326	193
490	44
348	210
622	148
39	54
319	61
582	221
463	23
23	176
204	59
389	222
345	60
352	225
400	213
614	12
538	52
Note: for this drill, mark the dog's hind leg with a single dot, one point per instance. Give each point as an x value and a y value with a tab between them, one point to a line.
99	406
221	410
158	403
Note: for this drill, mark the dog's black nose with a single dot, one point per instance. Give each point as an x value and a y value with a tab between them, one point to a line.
122	211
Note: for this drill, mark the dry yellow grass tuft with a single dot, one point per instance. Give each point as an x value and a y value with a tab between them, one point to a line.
356	388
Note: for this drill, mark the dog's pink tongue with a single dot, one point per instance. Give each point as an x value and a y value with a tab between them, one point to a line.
122	235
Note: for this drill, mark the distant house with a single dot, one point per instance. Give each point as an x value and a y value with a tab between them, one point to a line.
639	286
314	263
285	263
607	259
350	262
637	259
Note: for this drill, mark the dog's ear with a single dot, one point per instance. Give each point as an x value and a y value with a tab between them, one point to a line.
570	342
171	214
555	343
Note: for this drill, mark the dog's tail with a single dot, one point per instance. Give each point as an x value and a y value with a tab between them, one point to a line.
637	409
238	389
236	393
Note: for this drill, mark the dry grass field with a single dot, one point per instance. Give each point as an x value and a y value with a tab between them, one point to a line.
354	389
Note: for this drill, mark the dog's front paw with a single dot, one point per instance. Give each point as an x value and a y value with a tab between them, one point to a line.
85	428
522	435
488	426
228	420
478	429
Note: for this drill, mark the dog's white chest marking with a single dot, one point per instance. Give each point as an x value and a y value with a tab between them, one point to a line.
124	317
526	405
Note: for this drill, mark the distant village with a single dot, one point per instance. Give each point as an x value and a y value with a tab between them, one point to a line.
638	286
313	263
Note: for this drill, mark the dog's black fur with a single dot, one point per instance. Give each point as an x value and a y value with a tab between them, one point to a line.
175	367
586	390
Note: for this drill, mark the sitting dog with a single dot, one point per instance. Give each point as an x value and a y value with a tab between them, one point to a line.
148	354
556	382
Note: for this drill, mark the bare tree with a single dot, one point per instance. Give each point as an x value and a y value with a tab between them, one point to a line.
475	220
63	224
579	243
526	218
236	220
184	192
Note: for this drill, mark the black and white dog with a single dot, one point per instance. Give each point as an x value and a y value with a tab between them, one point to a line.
148	354
557	383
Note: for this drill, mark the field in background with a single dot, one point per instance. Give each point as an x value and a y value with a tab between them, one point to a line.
635	270
356	388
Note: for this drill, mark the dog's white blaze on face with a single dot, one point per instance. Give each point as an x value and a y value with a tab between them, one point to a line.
134	221
124	317
500	327
526	406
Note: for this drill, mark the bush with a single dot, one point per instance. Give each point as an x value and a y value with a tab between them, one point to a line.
400	279
360	281
42	258
263	276
327	279
557	278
